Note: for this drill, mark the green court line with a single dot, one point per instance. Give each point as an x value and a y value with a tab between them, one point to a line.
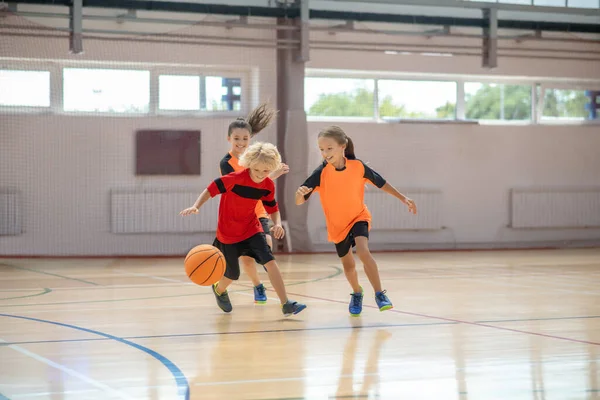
49	273
338	271
45	291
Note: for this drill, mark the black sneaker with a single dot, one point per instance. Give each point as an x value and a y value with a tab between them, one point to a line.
292	307
222	299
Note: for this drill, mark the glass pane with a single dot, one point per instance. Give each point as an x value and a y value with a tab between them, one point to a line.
417	99
339	97
222	94
178	92
525	2
549	3
494	101
584	3
564	104
25	88
106	90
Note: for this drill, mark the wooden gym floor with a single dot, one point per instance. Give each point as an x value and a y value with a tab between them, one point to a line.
466	325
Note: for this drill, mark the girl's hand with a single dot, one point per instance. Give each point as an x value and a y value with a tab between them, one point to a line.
303	191
412	207
277	231
283	169
189	211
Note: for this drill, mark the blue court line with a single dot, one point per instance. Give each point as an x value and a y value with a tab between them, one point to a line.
49	273
183	387
3	397
183	335
45	291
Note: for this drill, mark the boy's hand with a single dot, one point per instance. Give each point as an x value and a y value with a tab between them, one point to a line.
189	211
277	231
412	207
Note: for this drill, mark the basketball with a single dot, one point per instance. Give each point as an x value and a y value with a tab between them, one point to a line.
204	265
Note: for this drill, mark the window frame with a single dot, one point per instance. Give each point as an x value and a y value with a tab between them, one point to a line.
537	104
55	85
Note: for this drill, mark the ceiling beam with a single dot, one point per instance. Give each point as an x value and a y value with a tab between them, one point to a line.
480	5
315	13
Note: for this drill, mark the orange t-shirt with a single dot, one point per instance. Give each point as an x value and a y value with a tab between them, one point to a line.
342	195
229	164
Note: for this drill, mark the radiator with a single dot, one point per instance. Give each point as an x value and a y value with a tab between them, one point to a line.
10	213
157	211
555	208
389	213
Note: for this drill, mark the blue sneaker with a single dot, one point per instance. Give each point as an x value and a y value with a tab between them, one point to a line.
292	307
382	301
260	294
355	306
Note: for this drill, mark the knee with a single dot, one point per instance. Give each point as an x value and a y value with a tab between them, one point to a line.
364	254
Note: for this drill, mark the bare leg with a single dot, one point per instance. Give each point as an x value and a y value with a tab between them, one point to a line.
250	269
276	280
350	271
222	285
362	250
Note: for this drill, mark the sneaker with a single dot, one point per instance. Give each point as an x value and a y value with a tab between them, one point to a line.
260	294
382	301
355	306
222	299
292	307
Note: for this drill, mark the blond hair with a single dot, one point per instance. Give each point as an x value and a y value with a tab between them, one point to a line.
261	153
256	121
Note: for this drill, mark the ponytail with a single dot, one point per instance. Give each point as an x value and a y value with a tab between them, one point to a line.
256	121
349	150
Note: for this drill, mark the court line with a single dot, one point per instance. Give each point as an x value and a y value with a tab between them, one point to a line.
49	273
160	278
484	325
538	319
293	330
183	388
179	335
69	371
338	271
45	291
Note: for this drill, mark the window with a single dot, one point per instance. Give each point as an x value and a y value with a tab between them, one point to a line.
416	99
566	104
221	94
106	90
24	88
178	92
496	101
195	93
339	97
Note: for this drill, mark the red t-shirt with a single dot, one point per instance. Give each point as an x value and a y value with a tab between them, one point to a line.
237	219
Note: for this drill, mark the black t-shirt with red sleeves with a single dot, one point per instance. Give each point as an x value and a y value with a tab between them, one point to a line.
237	219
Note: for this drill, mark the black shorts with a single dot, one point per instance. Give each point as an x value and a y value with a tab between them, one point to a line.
361	228
255	246
266	225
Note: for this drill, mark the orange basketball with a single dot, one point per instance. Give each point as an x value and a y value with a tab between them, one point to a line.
204	265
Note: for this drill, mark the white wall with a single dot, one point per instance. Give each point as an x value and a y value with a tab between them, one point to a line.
65	165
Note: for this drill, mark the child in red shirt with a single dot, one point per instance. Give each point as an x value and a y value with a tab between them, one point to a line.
239	232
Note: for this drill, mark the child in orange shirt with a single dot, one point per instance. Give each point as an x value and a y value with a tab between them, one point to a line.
239	134
340	181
